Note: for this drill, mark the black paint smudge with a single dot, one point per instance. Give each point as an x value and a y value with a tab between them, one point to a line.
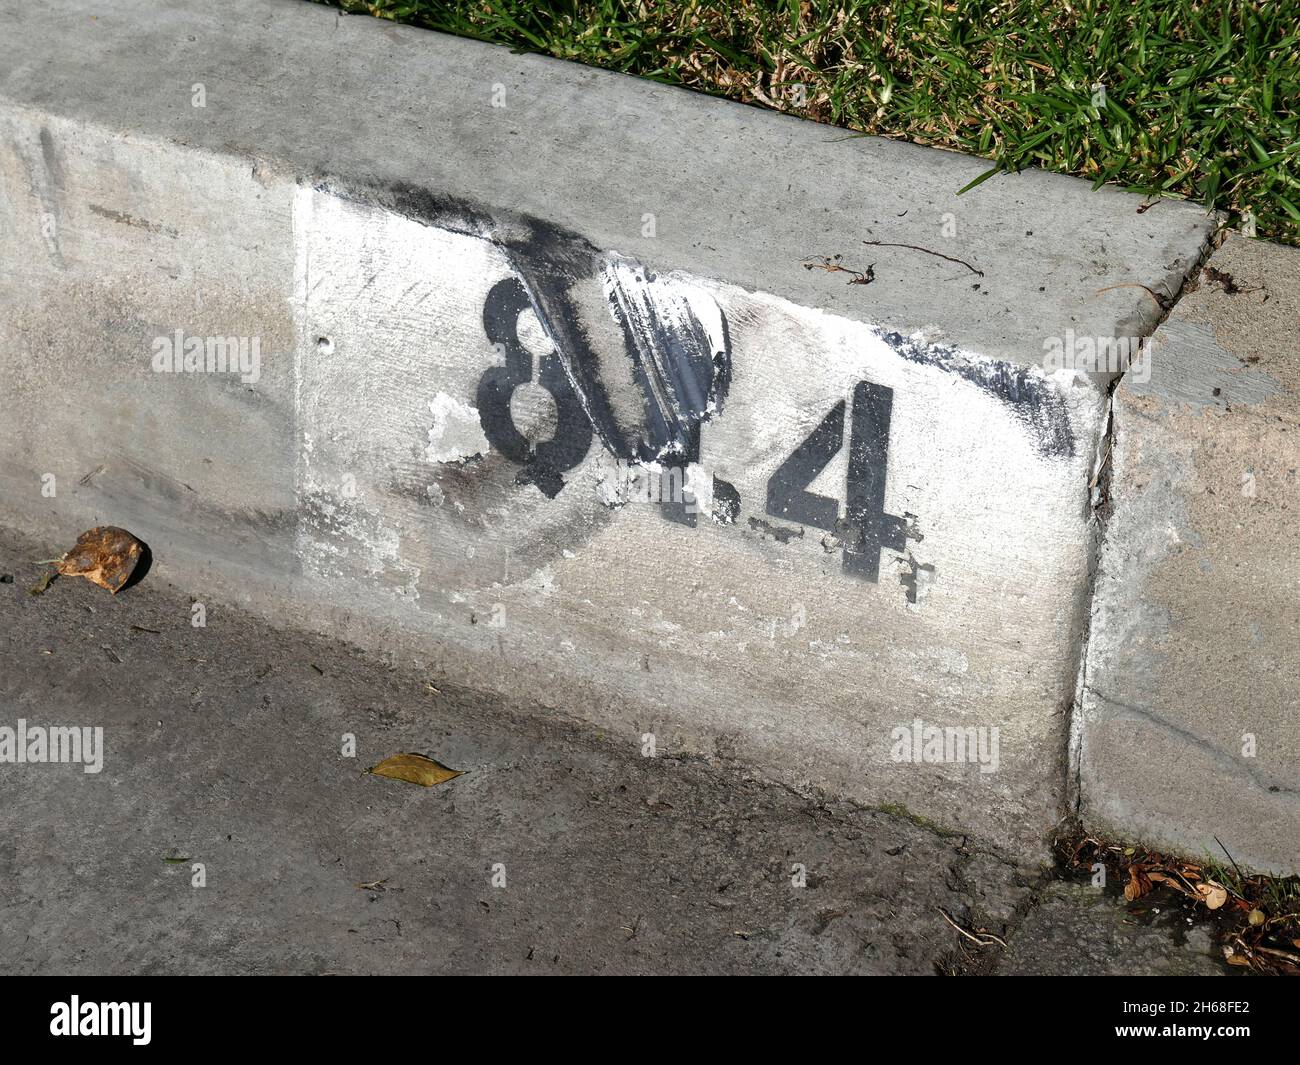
726	502
779	533
1036	403
551	259
682	378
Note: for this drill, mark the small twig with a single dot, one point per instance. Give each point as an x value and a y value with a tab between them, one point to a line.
1191	891
1240	879
1161	301
970	935
959	928
927	251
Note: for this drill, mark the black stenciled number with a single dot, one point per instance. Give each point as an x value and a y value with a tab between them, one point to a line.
873	407
866	528
787	492
542	463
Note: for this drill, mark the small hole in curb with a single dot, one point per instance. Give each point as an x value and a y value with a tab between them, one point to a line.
325	345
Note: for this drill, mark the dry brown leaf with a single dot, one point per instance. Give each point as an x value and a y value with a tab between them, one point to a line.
415	769
1138	884
104	555
1212	894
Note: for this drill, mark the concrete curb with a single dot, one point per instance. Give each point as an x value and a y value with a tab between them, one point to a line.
492	309
1189	722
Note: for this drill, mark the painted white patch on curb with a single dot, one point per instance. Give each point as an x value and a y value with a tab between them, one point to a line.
456	435
920	509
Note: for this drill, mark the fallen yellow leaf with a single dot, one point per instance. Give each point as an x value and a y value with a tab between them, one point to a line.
415	769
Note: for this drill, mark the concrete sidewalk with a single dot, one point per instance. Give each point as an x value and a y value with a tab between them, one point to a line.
222	747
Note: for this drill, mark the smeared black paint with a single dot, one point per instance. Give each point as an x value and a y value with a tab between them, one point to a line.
551	259
676	510
1035	402
684	381
726	502
681	378
676	466
778	533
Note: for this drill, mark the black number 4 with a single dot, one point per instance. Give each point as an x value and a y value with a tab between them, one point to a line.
866	528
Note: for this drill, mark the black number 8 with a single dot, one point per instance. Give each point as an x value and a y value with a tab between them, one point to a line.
542	463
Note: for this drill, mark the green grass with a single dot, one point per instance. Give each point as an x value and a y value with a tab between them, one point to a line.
1202	97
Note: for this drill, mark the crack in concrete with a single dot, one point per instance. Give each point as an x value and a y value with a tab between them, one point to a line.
1222	761
1101	513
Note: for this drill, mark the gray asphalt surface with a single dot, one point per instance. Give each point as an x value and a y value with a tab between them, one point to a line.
222	747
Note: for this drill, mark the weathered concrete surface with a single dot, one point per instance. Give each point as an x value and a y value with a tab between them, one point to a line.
1075	929
1190	722
469	344
222	744
737	193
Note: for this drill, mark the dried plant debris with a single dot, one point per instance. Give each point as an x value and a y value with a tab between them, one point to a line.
415	769
832	265
105	555
1228	284
1258	916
